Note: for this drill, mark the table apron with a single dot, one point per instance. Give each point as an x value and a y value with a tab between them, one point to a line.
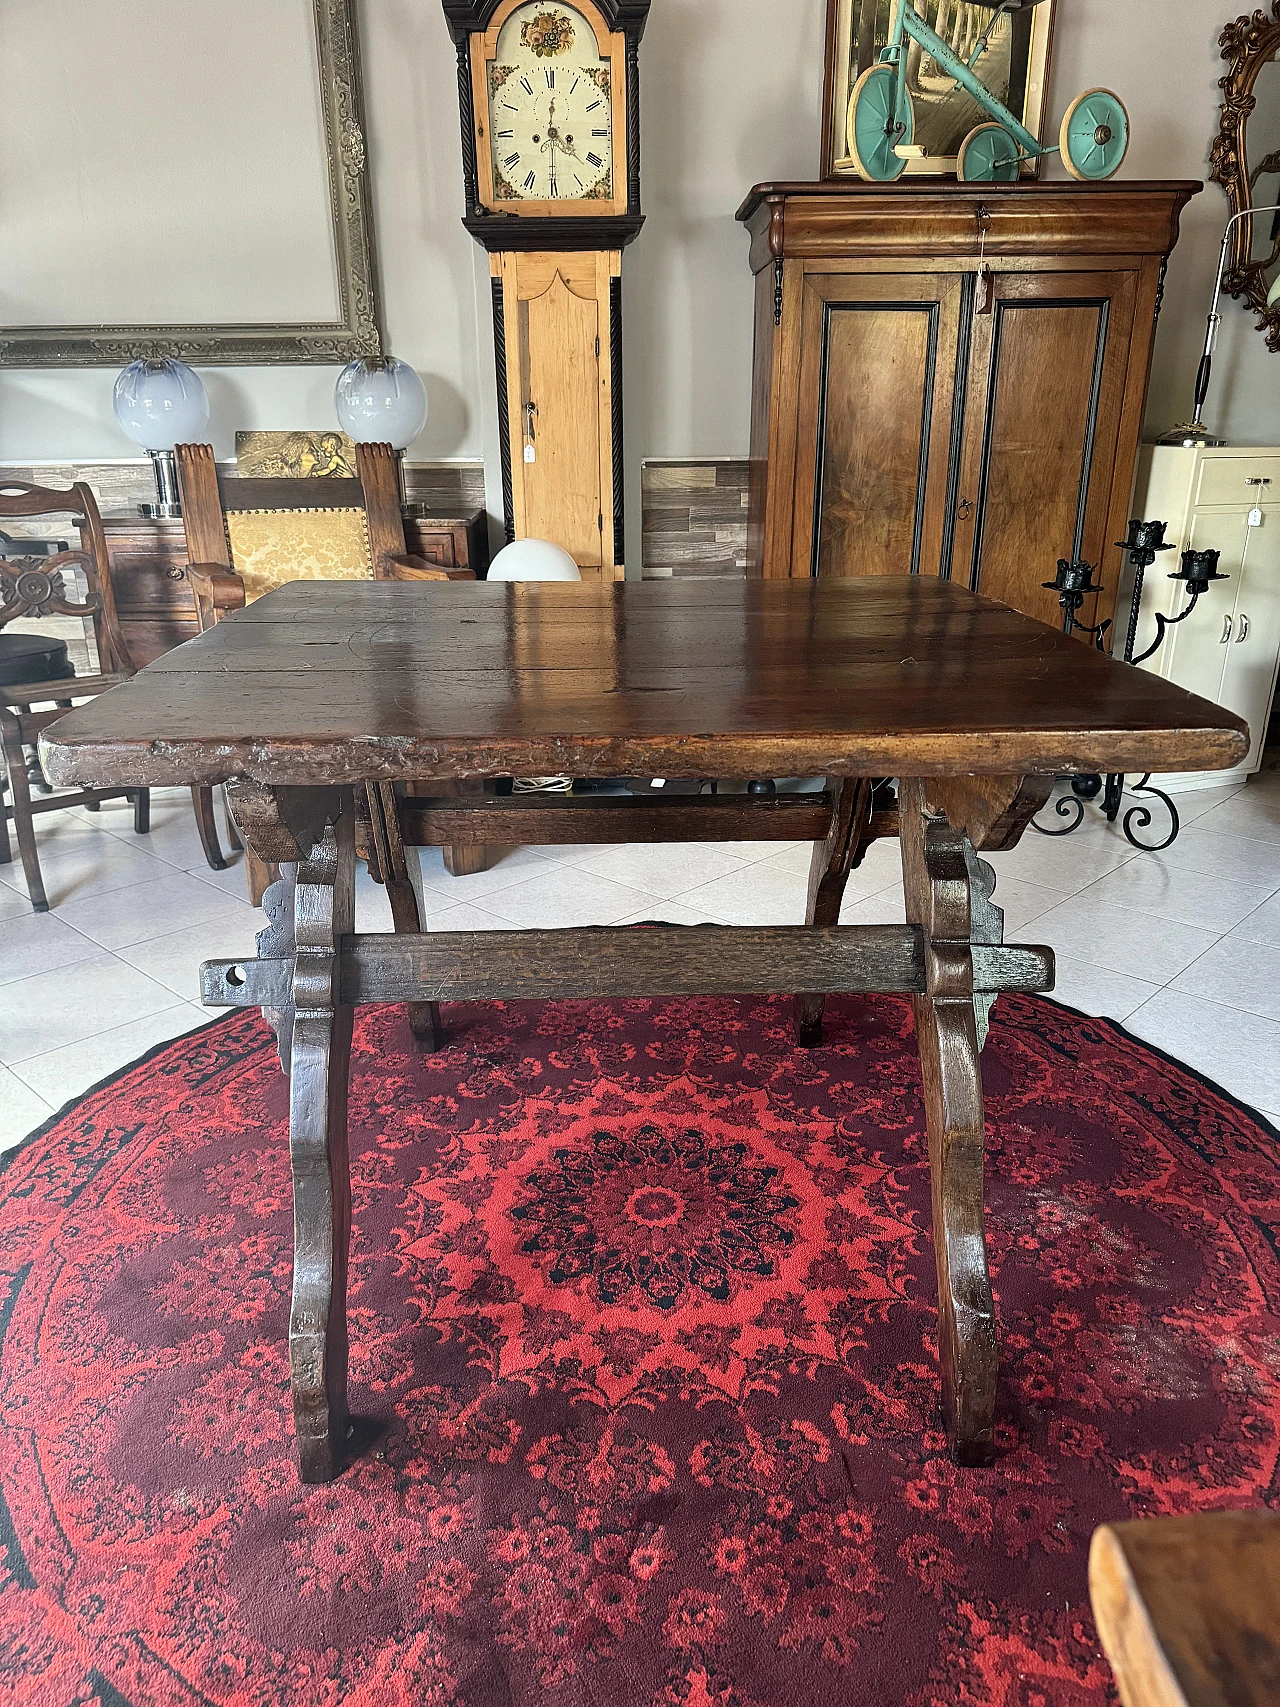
706	960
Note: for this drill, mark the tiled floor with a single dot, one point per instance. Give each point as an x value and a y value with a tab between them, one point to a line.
1184	946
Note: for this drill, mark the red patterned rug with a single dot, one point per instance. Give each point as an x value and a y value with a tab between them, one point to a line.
642	1321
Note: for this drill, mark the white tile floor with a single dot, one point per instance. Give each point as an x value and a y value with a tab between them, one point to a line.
1184	947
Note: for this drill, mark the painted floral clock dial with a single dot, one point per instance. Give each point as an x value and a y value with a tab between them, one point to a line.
550	108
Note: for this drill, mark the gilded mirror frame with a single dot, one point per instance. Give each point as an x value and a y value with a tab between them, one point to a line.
356	331
1249	43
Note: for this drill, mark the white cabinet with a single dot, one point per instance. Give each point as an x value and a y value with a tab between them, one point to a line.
1229	649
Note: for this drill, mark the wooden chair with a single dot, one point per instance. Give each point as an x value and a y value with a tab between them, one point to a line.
38	587
247	536
1188	1608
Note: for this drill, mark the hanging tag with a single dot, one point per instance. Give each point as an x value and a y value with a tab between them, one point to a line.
530	455
1255	517
985	295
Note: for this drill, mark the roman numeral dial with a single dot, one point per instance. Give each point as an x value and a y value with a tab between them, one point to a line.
551	109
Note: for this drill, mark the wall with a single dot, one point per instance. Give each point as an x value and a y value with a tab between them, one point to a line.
731	96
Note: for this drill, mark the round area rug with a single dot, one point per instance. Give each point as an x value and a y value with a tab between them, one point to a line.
642	1309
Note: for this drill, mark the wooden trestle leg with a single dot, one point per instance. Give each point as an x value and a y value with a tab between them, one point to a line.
834	859
948	894
324	912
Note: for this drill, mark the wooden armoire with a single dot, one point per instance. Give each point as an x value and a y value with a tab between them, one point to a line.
950	379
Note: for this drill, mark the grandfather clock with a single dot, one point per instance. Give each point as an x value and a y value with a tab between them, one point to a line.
550	99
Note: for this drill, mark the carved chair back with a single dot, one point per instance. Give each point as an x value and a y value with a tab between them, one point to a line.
44	586
269	531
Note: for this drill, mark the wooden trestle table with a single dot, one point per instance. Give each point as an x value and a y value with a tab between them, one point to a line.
322	690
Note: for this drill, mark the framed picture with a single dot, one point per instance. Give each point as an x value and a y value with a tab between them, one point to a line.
1015	67
295	456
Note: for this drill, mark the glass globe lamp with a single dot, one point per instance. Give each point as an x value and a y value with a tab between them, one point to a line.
381	400
160	404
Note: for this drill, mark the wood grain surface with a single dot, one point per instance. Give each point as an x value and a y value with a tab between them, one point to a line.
324	683
1188	1608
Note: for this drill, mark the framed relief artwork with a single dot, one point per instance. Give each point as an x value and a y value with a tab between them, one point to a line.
295	456
1014	66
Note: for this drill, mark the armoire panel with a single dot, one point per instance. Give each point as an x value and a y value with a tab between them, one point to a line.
876	388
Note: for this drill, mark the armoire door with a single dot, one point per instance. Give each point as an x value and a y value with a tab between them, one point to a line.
876	392
1047	369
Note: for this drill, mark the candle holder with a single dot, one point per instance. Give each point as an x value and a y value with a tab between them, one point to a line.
1073	584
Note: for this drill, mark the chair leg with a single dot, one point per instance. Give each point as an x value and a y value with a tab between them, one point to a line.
843	851
207	825
233	834
6	846
389	866
465	861
141	798
260	875
23	823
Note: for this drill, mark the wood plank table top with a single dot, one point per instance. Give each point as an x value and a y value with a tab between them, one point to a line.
345	682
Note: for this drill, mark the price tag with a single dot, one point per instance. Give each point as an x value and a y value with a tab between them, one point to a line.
530	455
1255	517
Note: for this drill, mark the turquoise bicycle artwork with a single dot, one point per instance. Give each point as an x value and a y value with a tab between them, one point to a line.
1093	138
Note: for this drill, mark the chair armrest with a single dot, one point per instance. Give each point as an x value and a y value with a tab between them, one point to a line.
216	589
62	687
413	568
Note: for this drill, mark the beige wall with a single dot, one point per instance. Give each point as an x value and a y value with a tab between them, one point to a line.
731	92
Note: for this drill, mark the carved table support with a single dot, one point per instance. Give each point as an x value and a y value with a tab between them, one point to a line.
948	894
313	970
324	912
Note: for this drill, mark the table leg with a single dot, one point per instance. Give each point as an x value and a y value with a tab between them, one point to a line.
842	852
324	912
948	894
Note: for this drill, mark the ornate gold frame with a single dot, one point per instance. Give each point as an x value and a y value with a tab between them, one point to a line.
1249	43
356	332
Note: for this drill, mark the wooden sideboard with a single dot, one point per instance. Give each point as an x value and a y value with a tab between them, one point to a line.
950	379
154	600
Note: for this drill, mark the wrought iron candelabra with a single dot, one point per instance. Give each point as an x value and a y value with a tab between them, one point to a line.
1073	584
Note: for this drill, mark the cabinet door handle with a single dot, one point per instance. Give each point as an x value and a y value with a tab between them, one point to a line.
964	511
1226	631
1243	633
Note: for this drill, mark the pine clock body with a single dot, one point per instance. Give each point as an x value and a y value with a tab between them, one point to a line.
550	100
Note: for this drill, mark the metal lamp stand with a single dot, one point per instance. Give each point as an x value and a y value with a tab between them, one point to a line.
1074	583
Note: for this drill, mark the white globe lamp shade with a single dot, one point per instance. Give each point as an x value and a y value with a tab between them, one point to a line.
381	401
161	404
533	560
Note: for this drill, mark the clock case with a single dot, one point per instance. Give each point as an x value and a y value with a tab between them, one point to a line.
501	231
516	243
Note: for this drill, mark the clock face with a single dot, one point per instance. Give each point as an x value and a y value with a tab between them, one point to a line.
550	108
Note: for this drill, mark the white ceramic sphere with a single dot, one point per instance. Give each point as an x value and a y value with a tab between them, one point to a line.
161	404
533	560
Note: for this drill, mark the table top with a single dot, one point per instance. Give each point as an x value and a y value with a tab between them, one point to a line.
343	682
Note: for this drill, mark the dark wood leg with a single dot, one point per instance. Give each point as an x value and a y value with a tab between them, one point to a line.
6	846
260	874
465	861
948	895
324	912
141	798
389	866
233	835
833	859
207	825
20	795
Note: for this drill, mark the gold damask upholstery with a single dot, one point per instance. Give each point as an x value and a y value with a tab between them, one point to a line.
271	547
